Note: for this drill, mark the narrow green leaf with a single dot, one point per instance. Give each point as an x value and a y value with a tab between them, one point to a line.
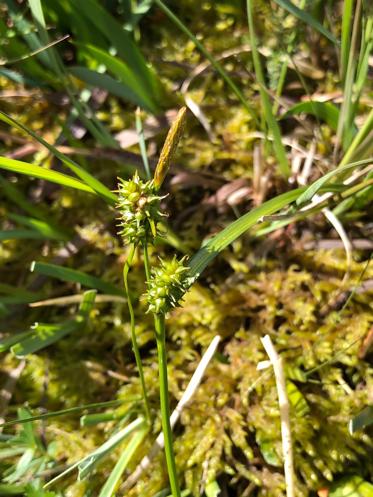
37	14
324	111
112	482
42	336
318	184
220	241
17	197
34	171
361	420
71	410
100	19
8	342
364	132
91	183
114	87
9	489
94	419
42	227
21	234
72	275
272	124
89	461
346	35
124	73
307	19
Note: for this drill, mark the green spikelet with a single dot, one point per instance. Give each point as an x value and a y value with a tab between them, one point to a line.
139	209
167	285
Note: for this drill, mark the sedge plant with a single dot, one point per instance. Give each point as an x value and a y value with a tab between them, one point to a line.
140	217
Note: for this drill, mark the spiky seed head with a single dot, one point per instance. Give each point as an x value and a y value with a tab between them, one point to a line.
167	285
139	209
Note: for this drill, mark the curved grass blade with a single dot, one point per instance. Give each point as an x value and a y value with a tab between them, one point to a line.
111	484
98	19
17	197
90	181
307	19
220	241
124	73
318	184
324	111
72	275
117	88
90	460
42	227
17	166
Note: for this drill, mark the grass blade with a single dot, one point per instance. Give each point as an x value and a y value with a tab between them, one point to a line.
17	197
21	234
72	275
272	124
361	135
34	171
112	482
108	83
124	73
318	184
324	111
219	242
70	410
90	181
94	457
307	19
346	36
99	19
89	463
42	227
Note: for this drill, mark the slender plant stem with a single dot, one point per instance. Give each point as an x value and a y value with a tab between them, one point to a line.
159	322
135	346
146	260
140	133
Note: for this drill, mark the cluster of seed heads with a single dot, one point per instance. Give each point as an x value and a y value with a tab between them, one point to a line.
139	209
167	285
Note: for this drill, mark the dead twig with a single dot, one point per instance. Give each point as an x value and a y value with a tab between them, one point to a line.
287	447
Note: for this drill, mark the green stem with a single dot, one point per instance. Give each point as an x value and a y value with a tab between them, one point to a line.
135	346
146	260
159	322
